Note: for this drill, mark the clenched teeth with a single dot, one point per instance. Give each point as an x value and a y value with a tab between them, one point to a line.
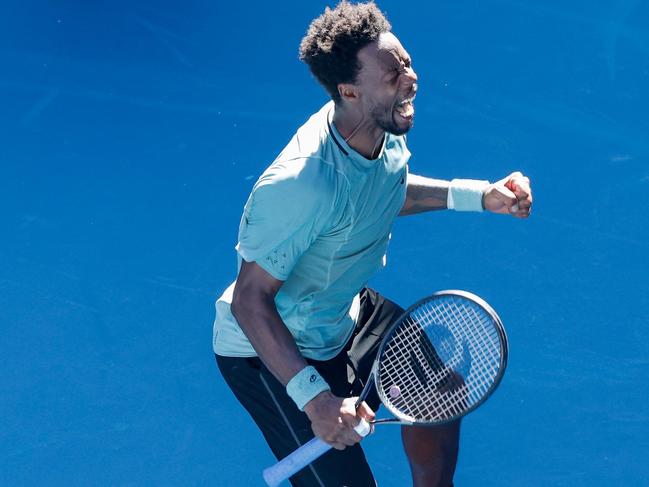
406	101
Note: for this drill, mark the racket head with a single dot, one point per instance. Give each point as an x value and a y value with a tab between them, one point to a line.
441	359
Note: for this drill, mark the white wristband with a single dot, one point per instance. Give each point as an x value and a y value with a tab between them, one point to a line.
305	385
466	194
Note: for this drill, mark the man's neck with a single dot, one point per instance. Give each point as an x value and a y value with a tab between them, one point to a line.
360	133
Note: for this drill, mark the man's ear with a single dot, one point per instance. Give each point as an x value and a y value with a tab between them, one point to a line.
348	92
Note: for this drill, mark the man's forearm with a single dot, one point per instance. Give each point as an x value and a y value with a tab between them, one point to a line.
424	194
258	318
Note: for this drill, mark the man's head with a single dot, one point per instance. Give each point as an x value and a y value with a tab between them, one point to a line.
362	65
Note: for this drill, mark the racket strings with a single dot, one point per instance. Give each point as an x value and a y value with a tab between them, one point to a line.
440	361
403	367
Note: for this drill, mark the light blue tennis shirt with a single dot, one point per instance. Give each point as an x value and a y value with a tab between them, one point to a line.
319	219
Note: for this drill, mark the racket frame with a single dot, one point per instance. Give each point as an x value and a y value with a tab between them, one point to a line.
375	381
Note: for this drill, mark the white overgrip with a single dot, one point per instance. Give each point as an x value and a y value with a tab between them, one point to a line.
295	462
304	455
363	428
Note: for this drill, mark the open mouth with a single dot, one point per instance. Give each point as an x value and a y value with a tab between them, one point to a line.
405	108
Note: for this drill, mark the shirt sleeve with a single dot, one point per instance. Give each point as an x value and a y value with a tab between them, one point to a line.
283	216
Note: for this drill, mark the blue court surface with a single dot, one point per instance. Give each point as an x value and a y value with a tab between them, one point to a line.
131	134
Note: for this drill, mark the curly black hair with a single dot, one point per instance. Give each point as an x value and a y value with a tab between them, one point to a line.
333	40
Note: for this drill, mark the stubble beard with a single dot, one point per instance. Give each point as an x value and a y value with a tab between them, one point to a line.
384	119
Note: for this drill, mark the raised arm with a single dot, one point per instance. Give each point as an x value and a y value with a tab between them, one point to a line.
424	194
510	195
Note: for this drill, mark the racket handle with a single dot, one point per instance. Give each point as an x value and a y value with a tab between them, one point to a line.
303	456
295	462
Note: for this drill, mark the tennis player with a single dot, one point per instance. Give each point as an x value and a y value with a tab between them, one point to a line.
296	333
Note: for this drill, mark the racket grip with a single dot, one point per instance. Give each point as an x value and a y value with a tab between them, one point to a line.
295	462
303	456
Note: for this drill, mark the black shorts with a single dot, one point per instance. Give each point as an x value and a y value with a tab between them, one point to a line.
285	427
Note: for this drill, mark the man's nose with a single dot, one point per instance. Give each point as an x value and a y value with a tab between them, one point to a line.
410	76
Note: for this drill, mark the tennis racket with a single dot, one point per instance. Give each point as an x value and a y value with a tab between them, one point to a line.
438	362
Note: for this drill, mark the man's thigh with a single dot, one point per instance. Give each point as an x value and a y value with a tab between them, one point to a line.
377	314
285	427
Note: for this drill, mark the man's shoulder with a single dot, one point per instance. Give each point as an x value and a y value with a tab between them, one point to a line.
306	176
307	159
397	153
397	142
311	138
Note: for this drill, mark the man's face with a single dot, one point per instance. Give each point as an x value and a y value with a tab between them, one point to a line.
387	84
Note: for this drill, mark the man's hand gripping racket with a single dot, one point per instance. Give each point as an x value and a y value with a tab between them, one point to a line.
438	362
